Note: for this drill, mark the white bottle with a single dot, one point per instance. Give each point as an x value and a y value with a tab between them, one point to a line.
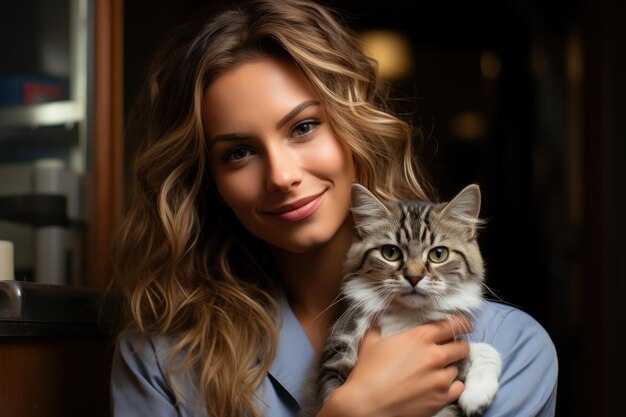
7	272
50	263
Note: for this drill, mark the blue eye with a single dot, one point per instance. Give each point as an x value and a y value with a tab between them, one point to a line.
305	127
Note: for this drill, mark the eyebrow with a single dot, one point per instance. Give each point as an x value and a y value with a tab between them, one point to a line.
286	119
226	137
293	113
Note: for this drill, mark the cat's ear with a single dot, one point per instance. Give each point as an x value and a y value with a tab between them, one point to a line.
465	207
367	210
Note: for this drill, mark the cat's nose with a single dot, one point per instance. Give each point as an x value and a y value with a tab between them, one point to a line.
413	279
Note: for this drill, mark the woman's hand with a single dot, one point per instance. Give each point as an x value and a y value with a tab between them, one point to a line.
408	374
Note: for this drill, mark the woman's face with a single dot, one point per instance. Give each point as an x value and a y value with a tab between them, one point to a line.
275	160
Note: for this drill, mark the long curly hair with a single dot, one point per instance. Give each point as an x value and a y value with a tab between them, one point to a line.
184	266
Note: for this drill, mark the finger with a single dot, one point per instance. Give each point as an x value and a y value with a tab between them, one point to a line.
455	391
455	351
445	330
451	372
371	337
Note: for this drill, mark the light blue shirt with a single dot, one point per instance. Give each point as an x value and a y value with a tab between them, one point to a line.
527	385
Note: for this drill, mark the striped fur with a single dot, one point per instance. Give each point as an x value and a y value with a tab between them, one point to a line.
414	289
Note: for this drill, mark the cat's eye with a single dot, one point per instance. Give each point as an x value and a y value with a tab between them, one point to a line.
391	252
438	254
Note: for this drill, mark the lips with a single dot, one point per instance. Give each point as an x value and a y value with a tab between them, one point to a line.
300	209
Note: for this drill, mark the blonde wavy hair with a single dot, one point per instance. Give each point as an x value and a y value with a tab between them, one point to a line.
184	266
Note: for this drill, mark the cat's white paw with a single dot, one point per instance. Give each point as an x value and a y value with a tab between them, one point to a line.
481	380
478	395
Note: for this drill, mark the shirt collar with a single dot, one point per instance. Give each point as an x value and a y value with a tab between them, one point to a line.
295	355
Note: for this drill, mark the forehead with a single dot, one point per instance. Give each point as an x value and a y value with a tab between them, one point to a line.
261	89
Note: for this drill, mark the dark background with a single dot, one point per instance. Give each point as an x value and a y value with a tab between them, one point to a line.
549	158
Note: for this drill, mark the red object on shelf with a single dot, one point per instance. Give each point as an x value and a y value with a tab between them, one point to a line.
35	93
25	89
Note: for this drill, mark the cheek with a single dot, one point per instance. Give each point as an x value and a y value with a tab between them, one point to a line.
334	159
236	190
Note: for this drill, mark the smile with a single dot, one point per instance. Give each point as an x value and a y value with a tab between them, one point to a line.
300	209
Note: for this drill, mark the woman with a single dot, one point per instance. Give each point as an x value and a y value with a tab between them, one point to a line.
254	124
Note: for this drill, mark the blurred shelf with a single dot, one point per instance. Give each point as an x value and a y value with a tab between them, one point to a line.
31	309
44	114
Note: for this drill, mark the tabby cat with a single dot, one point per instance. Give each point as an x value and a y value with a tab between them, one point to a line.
411	262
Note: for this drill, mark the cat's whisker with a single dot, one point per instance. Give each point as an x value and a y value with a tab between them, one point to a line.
490	291
497	298
387	296
339	298
454	320
357	306
453	313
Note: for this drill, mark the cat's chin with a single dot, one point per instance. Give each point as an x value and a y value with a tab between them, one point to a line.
413	300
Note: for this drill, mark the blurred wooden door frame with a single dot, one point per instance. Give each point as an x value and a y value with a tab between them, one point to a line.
104	185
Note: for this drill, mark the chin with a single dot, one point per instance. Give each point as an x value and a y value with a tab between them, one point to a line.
300	245
413	301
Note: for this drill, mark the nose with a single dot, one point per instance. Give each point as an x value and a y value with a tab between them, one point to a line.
413	279
284	170
413	271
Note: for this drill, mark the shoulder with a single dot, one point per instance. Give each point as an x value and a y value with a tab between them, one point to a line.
140	379
134	346
529	360
141	355
138	363
500	324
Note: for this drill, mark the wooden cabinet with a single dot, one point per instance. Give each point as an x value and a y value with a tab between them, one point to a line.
55	376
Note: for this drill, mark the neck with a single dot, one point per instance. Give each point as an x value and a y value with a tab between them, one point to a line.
312	280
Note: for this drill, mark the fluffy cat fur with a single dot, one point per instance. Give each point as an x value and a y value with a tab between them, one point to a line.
411	262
